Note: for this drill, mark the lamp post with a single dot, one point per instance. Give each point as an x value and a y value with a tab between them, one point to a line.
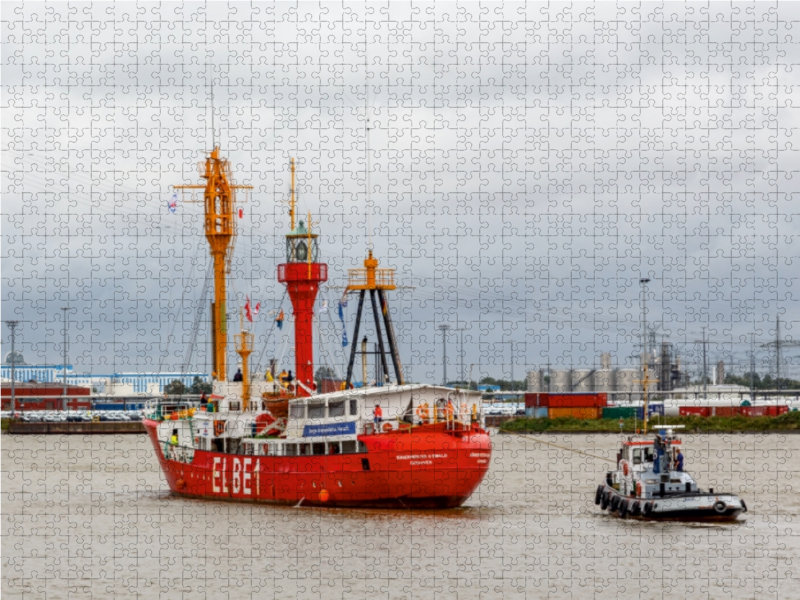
64	373
443	329
13	326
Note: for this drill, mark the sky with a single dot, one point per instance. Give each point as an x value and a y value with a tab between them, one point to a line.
528	164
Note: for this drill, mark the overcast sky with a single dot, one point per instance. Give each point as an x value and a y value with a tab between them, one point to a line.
529	164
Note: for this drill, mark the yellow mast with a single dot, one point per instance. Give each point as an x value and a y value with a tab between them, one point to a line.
219	199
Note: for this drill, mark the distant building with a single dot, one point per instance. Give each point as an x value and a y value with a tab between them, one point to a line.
110	383
45	396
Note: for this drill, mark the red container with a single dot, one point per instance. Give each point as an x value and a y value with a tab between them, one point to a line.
726	411
568	400
774	411
697	411
757	411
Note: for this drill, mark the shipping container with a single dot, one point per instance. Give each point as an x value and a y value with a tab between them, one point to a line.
568	400
756	411
536	413
582	412
696	411
774	411
652	409
726	411
619	412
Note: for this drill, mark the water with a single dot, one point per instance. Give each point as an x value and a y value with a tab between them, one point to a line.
90	517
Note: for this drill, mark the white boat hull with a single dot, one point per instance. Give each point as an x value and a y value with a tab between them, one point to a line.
692	506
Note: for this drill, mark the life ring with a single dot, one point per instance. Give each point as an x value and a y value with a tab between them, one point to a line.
625	468
422	412
219	428
598	494
720	507
197	441
639	489
387	426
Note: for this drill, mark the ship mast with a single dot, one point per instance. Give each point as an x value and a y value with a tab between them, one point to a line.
219	199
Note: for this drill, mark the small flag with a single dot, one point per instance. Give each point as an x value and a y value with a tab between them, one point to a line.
241	213
247	312
173	203
279	320
257	308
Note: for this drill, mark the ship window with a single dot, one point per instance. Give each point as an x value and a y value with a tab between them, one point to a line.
316	410
637	456
248	449
290	450
336	409
333	448
348	447
297	411
305	449
318	448
353	407
648	455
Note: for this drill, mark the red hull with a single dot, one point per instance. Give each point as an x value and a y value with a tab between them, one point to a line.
428	467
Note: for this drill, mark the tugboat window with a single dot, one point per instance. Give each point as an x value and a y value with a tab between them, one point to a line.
353	407
336	408
637	456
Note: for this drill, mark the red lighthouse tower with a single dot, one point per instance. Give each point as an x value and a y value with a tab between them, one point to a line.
302	274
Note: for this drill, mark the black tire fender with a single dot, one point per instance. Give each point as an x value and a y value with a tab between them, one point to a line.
604	501
623	509
636	508
614	502
598	495
648	508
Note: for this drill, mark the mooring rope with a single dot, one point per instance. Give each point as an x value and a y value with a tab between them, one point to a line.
526	436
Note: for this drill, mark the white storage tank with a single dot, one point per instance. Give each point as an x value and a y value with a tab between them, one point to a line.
604	380
626	385
582	380
560	381
535	381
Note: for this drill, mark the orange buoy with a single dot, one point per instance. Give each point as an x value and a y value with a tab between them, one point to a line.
180	484
324	495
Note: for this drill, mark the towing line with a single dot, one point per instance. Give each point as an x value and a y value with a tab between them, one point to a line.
526	436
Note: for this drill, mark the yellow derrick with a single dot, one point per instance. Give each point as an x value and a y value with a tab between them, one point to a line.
219	199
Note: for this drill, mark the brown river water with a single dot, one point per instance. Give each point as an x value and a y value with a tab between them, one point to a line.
91	517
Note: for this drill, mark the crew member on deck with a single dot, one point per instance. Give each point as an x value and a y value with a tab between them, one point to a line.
282	377
679	461
173	440
238	376
377	416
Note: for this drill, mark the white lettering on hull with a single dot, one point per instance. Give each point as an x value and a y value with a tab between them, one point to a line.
237	475
215	475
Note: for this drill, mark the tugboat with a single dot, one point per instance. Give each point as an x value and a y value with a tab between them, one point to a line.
650	483
278	441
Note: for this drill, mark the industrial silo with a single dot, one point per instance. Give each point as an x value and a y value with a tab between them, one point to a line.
626	386
535	380
582	380
604	380
560	381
